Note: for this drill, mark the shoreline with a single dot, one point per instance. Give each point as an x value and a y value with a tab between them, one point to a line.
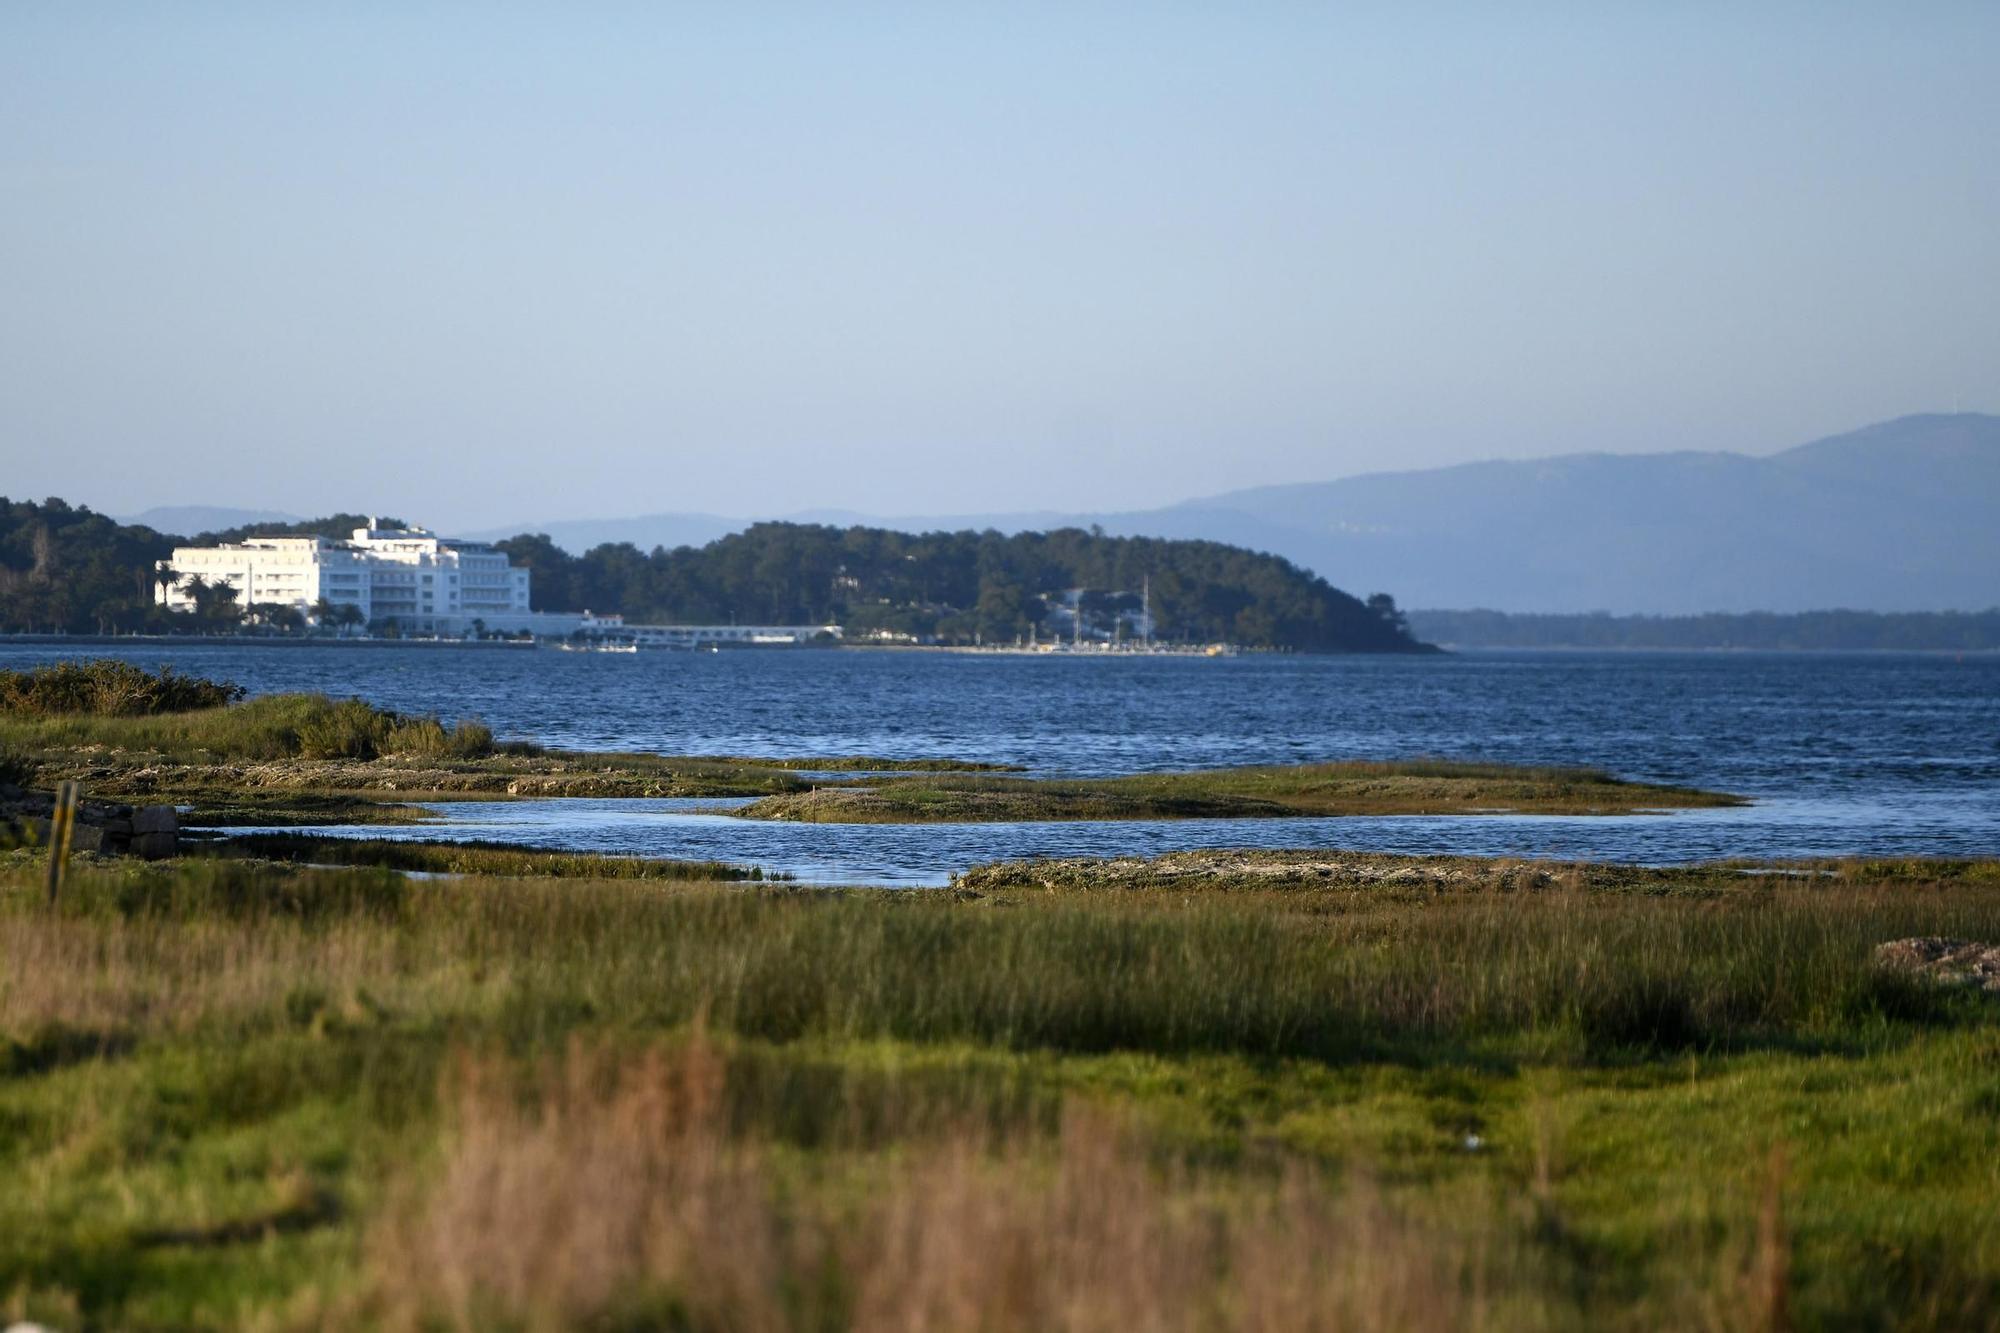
976	650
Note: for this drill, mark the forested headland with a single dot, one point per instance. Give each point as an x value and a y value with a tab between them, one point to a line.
65	569
963	587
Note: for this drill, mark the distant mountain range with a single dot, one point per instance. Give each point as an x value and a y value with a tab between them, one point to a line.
192	520
1900	516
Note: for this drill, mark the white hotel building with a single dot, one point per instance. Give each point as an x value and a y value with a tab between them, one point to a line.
426	584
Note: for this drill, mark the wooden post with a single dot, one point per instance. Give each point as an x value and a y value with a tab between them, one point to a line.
62	824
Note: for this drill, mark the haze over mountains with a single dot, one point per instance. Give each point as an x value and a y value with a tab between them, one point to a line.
1899	516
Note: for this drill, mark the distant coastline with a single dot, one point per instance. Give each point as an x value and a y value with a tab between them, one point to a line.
530	645
229	641
261	641
1796	632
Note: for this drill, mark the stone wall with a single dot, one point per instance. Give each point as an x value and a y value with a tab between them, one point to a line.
151	831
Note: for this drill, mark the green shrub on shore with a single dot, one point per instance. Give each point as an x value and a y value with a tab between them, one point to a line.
268	727
108	687
431	739
353	729
349	729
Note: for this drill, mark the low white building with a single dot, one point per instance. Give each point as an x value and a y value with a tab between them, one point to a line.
703	636
424	583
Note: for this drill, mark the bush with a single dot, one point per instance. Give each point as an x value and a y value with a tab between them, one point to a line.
431	738
109	688
419	736
349	729
471	739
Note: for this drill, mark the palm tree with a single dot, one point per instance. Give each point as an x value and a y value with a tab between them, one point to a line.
323	613
197	591
221	604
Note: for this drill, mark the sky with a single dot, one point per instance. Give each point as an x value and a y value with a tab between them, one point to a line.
478	264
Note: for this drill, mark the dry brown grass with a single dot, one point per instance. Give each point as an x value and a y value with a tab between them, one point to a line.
613	1193
166	976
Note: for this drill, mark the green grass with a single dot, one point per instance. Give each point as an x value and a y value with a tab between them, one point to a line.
1355	788
220	1081
476	858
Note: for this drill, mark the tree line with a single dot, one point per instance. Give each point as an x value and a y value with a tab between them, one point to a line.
962	587
66	569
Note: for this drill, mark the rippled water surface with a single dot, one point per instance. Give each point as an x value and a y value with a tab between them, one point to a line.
1844	753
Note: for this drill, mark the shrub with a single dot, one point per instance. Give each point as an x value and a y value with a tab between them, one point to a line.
431	738
109	688
270	726
349	729
419	736
471	739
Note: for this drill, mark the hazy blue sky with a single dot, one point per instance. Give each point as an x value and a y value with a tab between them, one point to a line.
484	263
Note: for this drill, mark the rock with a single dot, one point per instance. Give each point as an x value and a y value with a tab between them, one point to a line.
33	803
157	819
1948	961
155	846
88	838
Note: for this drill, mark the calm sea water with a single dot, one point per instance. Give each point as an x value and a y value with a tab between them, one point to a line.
1844	753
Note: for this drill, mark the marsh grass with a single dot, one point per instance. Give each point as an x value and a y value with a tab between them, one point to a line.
233	1091
269	727
479	858
1422	786
1331	976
